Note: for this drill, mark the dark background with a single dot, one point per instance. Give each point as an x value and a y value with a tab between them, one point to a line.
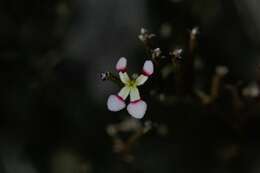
53	112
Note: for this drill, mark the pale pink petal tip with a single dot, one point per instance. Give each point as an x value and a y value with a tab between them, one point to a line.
148	68
137	109
121	64
115	103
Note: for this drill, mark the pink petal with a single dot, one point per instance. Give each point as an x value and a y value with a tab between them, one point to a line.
148	68
137	109
115	103
121	64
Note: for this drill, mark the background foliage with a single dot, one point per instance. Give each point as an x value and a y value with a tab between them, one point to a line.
53	111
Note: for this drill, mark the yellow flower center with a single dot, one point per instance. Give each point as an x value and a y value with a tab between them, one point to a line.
131	83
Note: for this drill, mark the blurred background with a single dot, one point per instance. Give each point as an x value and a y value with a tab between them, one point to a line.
53	115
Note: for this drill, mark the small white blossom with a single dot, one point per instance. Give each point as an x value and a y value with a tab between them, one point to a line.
251	90
177	53
145	35
156	53
194	32
143	31
137	107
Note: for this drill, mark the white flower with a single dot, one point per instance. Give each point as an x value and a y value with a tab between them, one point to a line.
137	107
145	35
177	53
194	32
252	90
156	53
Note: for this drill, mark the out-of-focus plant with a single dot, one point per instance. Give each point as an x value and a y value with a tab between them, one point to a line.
181	62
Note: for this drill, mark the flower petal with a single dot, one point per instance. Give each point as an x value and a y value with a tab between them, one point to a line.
124	92
115	103
121	64
134	94
124	77
141	80
137	109
148	68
